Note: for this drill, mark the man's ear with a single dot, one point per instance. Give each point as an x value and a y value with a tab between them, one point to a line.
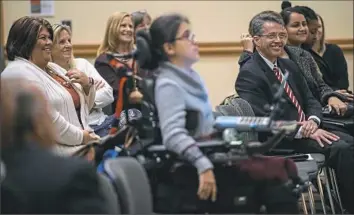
256	41
169	49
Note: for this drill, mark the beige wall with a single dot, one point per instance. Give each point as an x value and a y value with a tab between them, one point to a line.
220	72
213	21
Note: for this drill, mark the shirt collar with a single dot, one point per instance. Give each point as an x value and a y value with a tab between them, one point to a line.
268	62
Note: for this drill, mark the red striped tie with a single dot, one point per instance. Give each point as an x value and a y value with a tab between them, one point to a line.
290	94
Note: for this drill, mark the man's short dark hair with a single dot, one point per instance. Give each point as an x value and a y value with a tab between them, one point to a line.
257	22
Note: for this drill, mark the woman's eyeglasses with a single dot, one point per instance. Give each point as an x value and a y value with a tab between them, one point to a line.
186	36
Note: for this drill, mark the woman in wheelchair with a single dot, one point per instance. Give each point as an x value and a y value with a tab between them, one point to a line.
179	91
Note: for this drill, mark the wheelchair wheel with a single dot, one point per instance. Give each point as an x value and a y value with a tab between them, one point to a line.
132	185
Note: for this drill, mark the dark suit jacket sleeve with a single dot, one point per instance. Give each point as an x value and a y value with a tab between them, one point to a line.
244	57
82	195
311	106
249	87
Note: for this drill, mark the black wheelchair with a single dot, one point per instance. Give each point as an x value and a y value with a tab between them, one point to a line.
145	173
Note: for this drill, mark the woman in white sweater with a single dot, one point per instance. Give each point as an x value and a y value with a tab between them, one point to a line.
62	54
71	94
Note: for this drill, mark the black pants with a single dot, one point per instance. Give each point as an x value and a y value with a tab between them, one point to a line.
339	156
237	193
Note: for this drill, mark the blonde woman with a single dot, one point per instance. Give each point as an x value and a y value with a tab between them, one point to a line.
118	38
62	54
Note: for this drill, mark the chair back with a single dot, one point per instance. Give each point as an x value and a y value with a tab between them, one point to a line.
111	197
132	185
238	107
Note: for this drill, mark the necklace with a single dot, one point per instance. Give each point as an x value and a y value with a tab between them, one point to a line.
61	80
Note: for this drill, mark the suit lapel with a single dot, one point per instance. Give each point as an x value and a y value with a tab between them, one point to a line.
270	75
266	69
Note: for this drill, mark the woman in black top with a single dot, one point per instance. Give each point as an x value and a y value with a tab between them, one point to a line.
334	57
330	73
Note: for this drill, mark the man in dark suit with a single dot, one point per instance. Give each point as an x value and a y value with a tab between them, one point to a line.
266	68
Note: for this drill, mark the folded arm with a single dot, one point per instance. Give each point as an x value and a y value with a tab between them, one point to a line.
104	95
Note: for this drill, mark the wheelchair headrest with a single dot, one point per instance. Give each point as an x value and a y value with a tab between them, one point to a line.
148	87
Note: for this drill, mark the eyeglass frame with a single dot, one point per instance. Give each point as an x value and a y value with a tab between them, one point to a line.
272	36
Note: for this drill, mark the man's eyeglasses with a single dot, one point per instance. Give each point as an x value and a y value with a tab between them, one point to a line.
281	36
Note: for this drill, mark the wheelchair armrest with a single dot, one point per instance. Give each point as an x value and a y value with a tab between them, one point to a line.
281	152
202	144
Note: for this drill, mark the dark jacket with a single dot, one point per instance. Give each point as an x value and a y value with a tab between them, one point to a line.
39	182
255	83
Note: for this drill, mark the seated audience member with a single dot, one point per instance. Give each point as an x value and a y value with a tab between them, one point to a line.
266	68
333	55
71	94
118	39
36	180
178	89
141	20
332	77
62	54
297	30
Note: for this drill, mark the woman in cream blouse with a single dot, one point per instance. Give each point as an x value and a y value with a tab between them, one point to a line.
62	54
70	94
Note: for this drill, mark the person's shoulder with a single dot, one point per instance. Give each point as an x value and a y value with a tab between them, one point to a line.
81	61
249	65
296	51
333	47
82	64
103	58
17	69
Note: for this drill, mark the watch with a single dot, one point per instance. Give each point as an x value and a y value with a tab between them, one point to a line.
316	121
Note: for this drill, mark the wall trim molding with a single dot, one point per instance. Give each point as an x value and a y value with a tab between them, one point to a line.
207	48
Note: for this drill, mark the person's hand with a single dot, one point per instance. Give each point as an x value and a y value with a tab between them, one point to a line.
207	186
88	137
308	128
339	106
345	93
77	76
323	137
99	84
90	156
247	42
